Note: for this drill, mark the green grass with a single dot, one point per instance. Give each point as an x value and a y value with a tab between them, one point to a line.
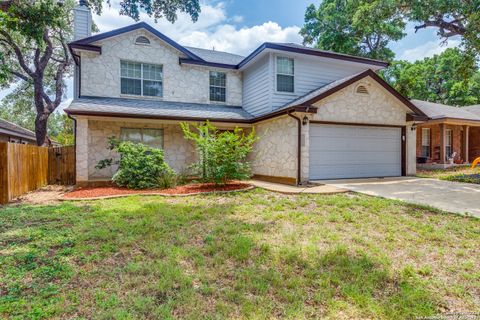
251	255
458	174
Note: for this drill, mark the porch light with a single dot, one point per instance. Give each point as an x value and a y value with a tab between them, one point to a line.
414	127
305	120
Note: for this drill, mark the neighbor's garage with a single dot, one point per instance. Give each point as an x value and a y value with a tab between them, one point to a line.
345	151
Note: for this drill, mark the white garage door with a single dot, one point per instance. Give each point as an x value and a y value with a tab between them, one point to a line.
342	151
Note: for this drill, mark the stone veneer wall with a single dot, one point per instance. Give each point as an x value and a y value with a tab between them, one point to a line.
100	73
378	107
179	153
275	152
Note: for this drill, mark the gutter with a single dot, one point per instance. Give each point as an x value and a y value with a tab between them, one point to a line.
299	148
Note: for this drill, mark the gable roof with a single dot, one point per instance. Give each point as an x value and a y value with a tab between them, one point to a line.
322	92
12	129
86	43
437	111
216	58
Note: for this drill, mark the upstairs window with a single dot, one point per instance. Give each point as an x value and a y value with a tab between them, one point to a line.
150	137
426	142
285	74
218	86
141	79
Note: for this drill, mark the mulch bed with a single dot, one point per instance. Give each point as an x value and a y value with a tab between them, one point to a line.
100	192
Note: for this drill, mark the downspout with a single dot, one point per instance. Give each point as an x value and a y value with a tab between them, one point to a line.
299	148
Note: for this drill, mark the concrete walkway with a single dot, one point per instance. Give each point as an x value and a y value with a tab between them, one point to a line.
463	198
282	188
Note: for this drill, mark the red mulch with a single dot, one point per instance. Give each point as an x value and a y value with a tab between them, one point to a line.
186	189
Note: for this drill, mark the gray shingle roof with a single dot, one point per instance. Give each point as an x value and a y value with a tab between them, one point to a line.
319	91
440	111
217	56
11	127
473	109
155	108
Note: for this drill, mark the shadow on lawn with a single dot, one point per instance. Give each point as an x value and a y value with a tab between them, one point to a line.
142	258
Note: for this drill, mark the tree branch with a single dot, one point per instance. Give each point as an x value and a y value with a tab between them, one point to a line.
18	53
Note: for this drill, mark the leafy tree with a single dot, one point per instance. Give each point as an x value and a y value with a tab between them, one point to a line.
33	36
450	17
155	8
362	28
450	78
223	154
18	107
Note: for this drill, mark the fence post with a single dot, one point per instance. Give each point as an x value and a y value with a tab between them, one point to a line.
4	187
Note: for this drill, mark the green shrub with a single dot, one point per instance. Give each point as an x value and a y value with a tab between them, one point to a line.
223	154
140	166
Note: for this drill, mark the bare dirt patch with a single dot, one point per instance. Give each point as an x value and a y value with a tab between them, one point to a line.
47	195
85	193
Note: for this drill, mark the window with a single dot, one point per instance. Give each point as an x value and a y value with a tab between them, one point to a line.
149	137
141	79
142	40
426	142
448	143
218	85
285	75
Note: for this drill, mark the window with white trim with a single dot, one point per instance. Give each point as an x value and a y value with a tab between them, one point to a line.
141	79
150	137
285	75
218	86
426	142
448	143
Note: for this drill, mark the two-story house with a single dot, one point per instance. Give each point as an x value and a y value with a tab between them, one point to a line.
318	114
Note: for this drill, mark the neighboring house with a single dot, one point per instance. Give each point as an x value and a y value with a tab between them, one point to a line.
450	133
10	132
318	114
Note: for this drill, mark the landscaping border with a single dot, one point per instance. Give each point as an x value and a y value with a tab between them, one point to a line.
156	194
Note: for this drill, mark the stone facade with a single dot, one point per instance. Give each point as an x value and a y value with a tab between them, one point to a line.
275	152
100	74
179	153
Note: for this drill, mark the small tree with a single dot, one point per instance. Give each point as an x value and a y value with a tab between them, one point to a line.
139	167
223	154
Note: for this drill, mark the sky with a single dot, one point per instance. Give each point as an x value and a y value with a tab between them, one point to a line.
240	26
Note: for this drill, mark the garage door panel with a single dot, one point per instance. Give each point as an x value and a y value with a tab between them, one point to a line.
340	151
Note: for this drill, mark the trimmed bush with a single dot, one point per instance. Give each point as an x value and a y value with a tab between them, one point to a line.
140	166
223	154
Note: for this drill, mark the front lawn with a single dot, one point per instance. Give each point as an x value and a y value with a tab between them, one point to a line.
252	254
459	174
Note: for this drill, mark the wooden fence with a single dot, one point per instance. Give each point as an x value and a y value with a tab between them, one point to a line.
25	168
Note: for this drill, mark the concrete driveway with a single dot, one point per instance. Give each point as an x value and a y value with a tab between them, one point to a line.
449	196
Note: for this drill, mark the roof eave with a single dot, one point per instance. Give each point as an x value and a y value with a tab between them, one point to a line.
207	63
304	109
360	76
308	51
140	25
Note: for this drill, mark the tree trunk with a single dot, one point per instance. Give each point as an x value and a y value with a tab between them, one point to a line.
41	129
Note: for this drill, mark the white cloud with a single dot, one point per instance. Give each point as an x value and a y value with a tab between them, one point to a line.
428	49
213	29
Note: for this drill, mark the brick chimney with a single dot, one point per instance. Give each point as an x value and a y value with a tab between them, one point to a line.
82	21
